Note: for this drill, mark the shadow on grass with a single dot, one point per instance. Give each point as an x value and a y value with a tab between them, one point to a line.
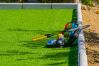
56	56
31	44
29	58
68	57
14	52
36	31
73	56
17	54
19	29
56	64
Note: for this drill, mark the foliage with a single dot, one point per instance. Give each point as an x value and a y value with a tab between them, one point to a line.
51	1
88	2
9	1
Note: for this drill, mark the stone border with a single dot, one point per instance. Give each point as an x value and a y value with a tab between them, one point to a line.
82	57
37	5
10	5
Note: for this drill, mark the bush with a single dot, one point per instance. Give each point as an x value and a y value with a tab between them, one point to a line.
88	2
9	1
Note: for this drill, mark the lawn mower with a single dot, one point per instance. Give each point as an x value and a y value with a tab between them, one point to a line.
71	31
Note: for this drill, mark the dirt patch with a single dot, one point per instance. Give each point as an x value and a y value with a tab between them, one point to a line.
91	34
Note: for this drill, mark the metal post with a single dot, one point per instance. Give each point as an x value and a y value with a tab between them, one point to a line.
51	5
22	4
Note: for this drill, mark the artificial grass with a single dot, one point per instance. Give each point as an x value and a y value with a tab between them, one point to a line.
18	27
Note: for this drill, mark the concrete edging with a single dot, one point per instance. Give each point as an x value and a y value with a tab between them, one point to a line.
10	5
82	57
37	5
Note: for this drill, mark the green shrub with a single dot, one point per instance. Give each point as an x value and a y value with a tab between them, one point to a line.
88	2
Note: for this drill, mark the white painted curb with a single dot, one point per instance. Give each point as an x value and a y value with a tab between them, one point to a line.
82	57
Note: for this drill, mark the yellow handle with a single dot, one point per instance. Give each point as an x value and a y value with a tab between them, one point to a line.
39	37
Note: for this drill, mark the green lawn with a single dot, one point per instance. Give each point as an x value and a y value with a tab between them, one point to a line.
18	27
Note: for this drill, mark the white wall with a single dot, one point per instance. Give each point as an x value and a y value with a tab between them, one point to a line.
37	5
10	6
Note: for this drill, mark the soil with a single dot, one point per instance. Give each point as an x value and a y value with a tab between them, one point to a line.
91	34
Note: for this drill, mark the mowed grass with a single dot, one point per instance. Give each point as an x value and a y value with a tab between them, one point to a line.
18	27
